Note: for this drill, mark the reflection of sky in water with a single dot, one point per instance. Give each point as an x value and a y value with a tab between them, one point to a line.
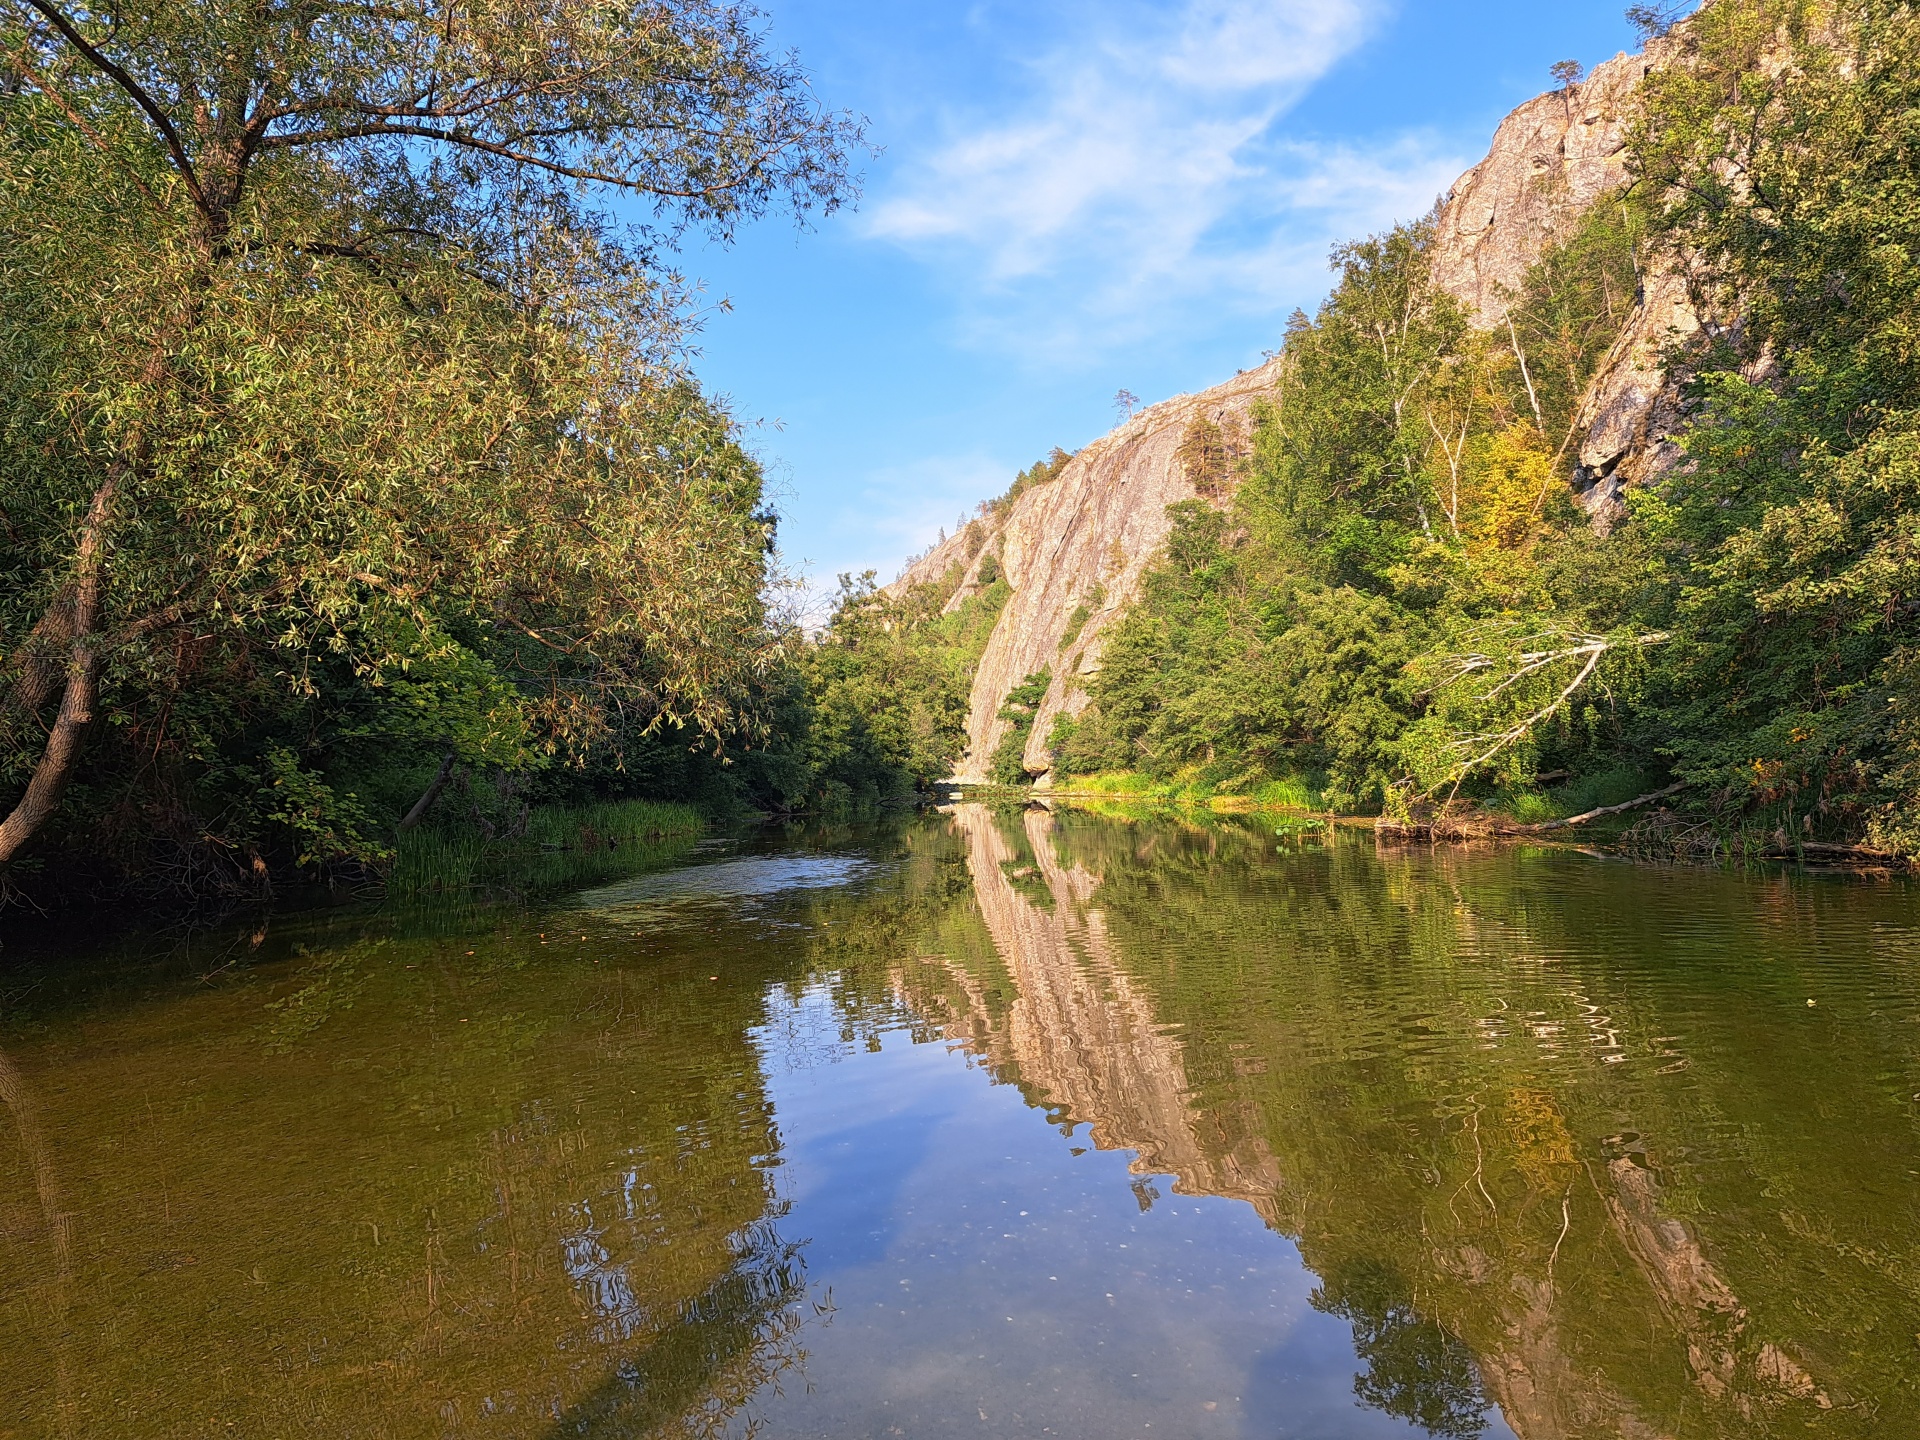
989	1277
624	1176
603	1283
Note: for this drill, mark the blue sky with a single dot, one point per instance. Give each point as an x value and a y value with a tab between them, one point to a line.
1077	196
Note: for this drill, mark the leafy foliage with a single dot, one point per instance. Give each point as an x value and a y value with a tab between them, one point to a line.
1400	493
342	428
1041	472
1790	536
1009	765
883	710
1402	595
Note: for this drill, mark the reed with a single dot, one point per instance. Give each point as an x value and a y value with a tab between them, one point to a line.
555	846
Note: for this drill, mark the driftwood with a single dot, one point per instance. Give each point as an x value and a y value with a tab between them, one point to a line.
1583	818
1474	825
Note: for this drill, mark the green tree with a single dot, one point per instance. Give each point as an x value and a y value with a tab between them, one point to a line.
1789	538
886	687
1009	764
326	372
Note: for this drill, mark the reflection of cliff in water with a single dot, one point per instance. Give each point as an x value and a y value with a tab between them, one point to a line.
1081	1037
1379	1062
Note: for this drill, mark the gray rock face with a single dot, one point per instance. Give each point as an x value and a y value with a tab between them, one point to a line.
1094	530
1632	410
1086	536
1550	160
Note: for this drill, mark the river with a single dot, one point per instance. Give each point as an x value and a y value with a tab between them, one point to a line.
989	1123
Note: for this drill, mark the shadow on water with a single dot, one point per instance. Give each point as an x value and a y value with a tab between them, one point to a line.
737	1336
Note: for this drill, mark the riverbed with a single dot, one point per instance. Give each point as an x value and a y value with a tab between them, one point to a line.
984	1123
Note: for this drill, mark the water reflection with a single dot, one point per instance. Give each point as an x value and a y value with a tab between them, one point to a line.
998	1122
1552	1132
485	1184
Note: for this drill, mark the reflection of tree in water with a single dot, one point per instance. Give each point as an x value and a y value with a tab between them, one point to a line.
546	1212
725	1343
1415	1370
1549	1094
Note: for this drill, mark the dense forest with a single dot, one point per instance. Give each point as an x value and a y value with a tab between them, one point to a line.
1404	608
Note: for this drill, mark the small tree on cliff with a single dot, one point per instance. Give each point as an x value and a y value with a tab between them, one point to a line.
1210	450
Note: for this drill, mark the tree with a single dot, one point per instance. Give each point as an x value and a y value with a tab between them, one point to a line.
1210	453
1654	21
324	360
1346	460
1789	536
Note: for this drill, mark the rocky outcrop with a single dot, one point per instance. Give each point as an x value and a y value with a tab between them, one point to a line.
1633	410
1082	541
1550	161
1078	542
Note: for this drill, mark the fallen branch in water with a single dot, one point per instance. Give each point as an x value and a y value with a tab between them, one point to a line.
1582	818
1470	823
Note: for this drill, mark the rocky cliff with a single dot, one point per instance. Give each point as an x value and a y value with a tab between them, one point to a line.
1083	541
1551	159
1080	541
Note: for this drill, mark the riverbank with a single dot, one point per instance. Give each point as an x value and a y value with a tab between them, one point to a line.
1615	810
543	847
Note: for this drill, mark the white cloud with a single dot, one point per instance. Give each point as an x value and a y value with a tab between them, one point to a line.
1138	167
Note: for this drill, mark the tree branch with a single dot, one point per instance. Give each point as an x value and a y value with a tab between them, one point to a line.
1585	816
507	152
126	82
425	802
47	88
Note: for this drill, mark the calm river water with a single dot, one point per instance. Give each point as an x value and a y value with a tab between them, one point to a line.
985	1124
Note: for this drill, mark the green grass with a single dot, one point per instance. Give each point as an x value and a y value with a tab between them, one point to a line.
1192	788
560	846
1614	786
1293	792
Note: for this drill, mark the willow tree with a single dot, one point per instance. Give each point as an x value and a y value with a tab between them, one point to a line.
323	349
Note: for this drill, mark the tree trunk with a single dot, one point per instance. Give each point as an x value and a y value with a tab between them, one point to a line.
83	673
1582	819
50	776
40	660
425	802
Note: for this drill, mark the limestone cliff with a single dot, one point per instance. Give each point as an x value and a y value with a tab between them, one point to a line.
1082	541
1551	159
